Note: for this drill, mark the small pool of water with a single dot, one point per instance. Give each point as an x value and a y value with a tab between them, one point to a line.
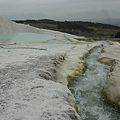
24	38
87	90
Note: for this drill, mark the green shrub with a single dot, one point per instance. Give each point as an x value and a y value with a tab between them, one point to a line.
117	35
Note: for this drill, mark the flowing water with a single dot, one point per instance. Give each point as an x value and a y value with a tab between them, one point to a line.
87	90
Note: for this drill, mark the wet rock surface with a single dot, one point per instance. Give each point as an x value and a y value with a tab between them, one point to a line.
87	90
33	78
111	89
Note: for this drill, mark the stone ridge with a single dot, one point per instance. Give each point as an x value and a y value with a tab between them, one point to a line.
111	89
33	78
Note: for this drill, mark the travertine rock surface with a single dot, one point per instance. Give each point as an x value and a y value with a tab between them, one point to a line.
33	77
111	89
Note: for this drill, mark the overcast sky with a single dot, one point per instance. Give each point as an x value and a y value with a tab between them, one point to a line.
60	9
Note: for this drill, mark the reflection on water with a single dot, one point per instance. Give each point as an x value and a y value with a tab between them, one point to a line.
24	38
87	90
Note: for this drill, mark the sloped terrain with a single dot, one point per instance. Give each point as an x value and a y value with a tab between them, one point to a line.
33	77
111	89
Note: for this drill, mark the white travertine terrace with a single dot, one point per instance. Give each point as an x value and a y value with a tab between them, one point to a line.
33	77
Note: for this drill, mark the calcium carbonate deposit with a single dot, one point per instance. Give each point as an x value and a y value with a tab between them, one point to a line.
35	65
87	90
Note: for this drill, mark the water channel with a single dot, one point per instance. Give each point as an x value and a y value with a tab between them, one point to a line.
87	90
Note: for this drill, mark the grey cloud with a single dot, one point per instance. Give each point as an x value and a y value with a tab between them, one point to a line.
60	9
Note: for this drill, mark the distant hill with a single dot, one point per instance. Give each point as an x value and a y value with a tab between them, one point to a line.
114	21
87	29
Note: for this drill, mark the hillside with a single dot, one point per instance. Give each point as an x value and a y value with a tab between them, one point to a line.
33	77
87	29
35	74
7	26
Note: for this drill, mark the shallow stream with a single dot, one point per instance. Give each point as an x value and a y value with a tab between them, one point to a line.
87	90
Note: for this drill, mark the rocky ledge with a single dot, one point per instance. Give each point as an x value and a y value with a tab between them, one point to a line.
34	77
111	89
